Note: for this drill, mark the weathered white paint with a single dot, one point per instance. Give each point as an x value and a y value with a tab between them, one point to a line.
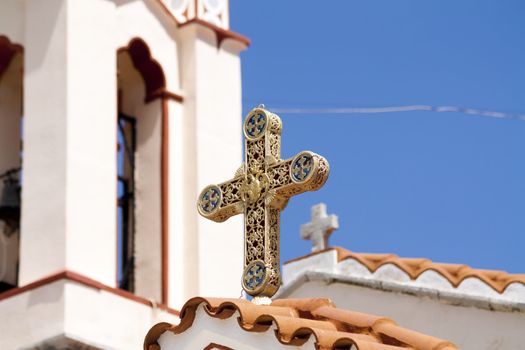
432	279
391	273
325	261
515	292
469	287
226	332
467	327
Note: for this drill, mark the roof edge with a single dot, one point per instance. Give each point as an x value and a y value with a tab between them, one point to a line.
453	298
461	273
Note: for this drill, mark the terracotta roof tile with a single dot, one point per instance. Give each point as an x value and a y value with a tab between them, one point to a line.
454	273
296	320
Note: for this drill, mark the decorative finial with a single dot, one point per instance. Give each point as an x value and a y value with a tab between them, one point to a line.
320	228
260	189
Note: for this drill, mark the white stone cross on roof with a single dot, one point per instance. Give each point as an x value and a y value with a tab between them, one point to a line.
320	228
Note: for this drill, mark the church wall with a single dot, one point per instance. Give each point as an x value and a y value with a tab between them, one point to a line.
187	262
70	80
45	132
148	177
177	205
12	20
467	327
65	312
148	206
106	320
92	139
69	199
140	19
212	89
70	126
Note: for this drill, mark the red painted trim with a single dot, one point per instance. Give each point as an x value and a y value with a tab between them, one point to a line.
221	34
164	94
8	50
86	281
164	164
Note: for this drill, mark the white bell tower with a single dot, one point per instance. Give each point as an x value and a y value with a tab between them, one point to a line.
113	115
212	11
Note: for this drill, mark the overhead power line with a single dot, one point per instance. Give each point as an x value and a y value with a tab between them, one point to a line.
396	109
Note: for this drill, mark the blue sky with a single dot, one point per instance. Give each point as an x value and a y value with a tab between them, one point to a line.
445	186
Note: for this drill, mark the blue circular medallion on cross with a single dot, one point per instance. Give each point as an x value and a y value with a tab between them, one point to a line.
254	276
255	125
210	199
302	167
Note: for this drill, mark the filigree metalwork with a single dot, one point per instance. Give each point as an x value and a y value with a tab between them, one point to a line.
260	189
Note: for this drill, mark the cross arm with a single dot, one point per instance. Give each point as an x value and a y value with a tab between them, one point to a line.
307	171
222	201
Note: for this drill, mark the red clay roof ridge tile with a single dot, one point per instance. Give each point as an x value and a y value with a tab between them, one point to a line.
295	320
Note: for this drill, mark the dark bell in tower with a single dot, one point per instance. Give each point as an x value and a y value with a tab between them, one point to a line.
10	201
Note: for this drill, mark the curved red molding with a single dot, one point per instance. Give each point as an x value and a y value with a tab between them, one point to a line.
149	69
8	50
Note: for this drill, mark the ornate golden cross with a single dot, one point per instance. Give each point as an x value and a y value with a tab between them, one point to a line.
260	189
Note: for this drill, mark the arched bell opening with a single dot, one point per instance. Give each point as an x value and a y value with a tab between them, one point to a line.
141	82
11	111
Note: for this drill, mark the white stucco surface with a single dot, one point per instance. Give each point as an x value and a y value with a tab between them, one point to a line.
33	316
68	309
212	85
473	315
467	327
44	204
